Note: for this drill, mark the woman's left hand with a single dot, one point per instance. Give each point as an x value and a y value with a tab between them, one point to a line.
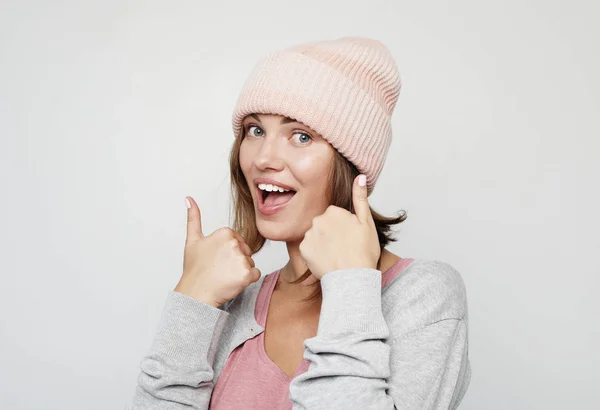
339	239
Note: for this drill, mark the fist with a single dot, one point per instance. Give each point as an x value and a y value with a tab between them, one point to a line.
217	267
339	239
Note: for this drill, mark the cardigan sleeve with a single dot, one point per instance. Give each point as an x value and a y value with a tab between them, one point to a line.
417	359
177	373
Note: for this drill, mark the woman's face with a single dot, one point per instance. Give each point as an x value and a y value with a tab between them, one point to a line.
277	151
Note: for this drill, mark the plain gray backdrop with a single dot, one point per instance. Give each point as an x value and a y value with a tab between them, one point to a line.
111	112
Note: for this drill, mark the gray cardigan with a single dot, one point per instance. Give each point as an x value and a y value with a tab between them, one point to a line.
401	347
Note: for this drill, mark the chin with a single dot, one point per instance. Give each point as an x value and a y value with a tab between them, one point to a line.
279	231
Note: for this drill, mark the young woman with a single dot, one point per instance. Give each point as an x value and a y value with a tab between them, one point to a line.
345	324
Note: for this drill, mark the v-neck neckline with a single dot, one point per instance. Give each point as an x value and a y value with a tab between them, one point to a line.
262	352
387	276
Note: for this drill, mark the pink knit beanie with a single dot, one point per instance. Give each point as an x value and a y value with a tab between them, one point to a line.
344	89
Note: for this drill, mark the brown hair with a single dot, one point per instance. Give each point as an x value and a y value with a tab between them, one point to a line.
341	176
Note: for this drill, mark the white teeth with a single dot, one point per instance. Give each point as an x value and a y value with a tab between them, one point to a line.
270	188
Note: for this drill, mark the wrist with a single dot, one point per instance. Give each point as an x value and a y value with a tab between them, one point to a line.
200	297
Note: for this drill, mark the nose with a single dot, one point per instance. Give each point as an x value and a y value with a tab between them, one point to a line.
268	156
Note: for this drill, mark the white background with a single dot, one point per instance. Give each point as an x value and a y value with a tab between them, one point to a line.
111	112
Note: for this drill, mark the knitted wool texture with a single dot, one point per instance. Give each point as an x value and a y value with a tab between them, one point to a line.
344	89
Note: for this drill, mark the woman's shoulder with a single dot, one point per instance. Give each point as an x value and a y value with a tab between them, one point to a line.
426	291
428	273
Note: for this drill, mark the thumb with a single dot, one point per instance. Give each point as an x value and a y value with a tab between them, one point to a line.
360	200
194	223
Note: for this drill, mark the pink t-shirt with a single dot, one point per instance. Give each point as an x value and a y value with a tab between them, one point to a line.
250	379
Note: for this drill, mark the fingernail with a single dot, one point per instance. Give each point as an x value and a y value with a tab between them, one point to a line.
187	203
362	180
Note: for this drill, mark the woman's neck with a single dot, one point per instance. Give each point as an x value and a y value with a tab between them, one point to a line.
296	266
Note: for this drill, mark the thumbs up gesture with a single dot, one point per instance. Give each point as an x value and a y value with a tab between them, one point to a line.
217	267
339	239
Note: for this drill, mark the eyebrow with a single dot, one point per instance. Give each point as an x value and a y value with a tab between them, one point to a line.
284	120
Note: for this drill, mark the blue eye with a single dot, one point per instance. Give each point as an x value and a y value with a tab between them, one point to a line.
303	138
259	133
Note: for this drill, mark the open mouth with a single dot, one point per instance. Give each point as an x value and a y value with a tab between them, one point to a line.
272	198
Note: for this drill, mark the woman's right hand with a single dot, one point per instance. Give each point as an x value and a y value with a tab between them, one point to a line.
217	267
